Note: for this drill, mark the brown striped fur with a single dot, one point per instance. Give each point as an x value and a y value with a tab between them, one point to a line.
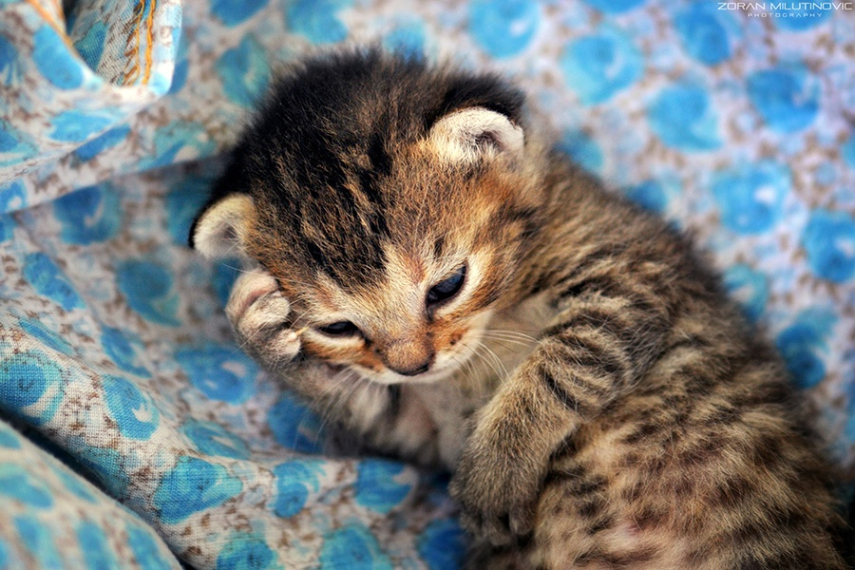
599	400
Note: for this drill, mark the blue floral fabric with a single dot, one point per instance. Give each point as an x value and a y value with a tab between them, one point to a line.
135	433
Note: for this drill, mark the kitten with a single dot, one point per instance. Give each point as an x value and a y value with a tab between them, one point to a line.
427	273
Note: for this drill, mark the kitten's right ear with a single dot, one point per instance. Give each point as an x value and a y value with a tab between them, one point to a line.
221	229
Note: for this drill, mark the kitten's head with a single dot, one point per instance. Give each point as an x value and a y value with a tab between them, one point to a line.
393	203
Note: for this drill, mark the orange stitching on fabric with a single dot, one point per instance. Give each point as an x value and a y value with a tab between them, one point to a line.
59	10
47	17
132	51
150	47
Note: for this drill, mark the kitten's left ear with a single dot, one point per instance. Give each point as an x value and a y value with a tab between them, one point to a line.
221	228
469	134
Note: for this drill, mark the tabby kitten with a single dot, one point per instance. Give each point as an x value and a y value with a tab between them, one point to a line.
427	273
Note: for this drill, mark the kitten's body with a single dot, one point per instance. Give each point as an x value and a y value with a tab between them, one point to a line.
619	414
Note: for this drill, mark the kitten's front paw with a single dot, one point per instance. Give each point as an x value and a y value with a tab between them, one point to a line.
260	316
496	491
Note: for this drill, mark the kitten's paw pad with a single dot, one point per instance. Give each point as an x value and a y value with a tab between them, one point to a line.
250	288
286	345
260	315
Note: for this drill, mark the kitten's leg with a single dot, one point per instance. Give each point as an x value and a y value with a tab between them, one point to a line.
387	418
611	329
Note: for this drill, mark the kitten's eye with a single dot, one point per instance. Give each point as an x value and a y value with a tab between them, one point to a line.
447	288
341	328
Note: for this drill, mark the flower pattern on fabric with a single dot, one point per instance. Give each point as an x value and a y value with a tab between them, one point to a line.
191	486
600	65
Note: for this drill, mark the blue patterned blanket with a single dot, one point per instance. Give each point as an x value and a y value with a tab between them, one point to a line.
134	433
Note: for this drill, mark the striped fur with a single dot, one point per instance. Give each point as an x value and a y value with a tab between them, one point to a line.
599	400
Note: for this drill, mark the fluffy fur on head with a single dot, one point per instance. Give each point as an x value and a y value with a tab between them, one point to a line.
366	180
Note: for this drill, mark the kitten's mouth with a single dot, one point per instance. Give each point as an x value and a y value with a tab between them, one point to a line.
432	375
389	377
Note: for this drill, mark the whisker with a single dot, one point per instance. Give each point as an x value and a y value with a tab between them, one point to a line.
496	359
511	334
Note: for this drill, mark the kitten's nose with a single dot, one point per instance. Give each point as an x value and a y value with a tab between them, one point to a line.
408	357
